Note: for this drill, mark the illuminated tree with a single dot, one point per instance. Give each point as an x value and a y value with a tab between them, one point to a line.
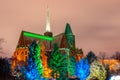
44	58
20	57
58	63
97	71
35	68
79	54
82	69
72	66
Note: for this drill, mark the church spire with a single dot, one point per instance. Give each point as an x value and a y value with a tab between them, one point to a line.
47	21
48	31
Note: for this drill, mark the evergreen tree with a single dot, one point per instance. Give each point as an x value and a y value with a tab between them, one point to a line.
91	57
83	69
35	68
97	71
58	63
71	66
47	71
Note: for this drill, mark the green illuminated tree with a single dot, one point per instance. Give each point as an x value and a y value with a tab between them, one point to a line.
35	68
58	63
97	71
71	66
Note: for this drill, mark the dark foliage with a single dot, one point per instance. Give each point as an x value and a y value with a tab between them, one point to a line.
4	68
116	56
91	57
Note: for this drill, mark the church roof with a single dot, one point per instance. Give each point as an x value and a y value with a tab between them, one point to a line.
61	40
58	38
27	37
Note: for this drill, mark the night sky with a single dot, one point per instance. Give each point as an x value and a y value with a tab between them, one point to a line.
95	23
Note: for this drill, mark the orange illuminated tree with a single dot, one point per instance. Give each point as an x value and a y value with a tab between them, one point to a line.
20	56
47	71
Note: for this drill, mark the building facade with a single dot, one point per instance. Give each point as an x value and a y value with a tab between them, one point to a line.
65	41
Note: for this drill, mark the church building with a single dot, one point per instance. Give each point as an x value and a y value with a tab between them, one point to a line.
64	40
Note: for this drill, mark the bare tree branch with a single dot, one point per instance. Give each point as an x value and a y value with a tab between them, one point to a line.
116	56
102	55
1	48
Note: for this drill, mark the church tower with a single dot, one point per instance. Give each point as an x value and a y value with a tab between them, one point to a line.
70	36
48	31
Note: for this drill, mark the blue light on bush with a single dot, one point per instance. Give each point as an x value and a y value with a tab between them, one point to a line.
82	69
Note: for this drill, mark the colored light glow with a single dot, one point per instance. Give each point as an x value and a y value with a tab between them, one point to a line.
20	54
82	69
115	78
71	66
58	63
38	36
34	69
97	71
47	71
